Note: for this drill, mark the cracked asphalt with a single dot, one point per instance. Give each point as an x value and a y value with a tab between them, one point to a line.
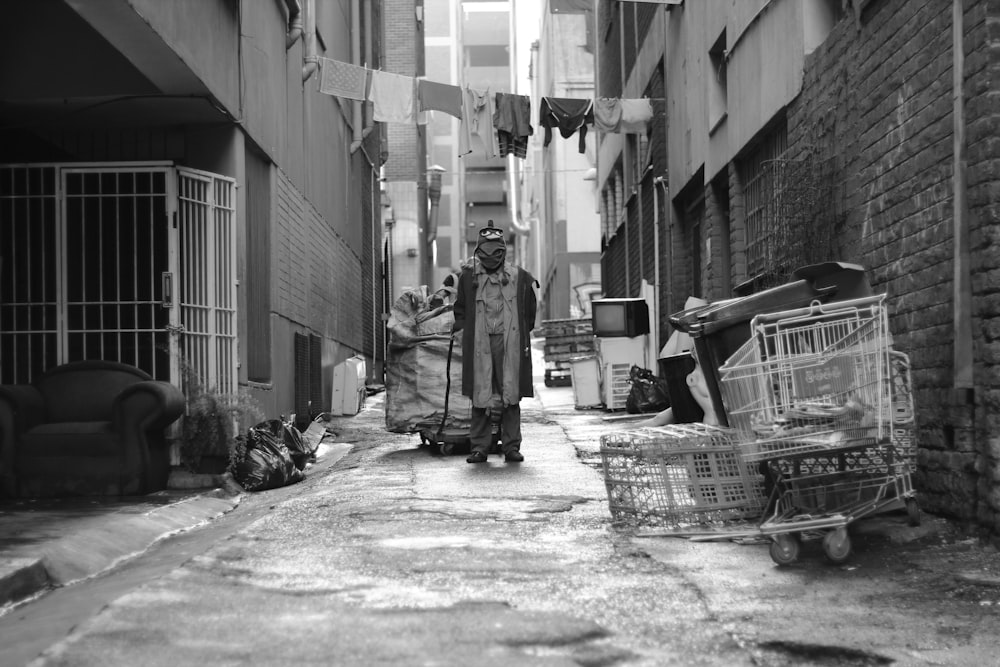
397	556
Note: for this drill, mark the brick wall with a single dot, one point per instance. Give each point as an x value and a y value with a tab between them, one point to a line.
315	273
878	96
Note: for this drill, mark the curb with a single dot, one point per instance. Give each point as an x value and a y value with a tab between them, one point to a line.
104	543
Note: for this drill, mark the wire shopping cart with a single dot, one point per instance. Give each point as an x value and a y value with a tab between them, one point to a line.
815	394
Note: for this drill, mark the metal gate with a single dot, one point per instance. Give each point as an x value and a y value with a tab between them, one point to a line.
131	263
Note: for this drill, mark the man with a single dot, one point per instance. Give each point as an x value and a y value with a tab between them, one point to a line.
495	312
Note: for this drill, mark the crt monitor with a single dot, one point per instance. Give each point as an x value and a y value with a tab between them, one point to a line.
613	318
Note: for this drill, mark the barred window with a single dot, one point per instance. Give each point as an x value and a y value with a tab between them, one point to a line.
760	191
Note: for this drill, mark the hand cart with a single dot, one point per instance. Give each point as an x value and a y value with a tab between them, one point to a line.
812	395
449	437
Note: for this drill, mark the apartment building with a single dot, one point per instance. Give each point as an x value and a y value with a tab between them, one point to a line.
176	193
797	131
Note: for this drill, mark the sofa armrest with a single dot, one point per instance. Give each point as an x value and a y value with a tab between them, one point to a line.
21	407
150	404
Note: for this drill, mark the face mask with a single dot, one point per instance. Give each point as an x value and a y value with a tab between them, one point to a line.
491	254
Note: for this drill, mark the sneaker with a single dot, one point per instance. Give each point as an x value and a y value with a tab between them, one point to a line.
513	456
476	457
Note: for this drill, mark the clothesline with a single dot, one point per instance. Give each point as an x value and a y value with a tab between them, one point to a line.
499	122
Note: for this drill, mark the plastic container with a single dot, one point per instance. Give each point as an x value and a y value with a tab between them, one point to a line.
674	370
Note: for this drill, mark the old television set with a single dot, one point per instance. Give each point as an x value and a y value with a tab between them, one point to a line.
614	318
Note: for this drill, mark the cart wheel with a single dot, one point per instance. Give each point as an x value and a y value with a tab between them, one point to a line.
837	545
785	549
912	512
447	448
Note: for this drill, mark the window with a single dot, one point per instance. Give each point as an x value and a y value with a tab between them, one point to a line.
760	191
717	96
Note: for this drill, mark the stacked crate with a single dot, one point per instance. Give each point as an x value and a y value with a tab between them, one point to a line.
565	340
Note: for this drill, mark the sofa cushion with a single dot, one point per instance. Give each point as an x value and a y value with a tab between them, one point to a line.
69	439
75	396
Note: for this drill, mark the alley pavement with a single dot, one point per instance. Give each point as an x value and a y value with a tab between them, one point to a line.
51	543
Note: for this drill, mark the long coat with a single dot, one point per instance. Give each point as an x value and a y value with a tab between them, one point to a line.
465	321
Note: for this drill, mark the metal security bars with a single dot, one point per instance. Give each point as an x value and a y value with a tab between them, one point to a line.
128	262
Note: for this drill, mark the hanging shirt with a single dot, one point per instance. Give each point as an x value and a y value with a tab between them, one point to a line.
392	98
608	114
343	79
477	123
512	120
569	115
636	113
440	97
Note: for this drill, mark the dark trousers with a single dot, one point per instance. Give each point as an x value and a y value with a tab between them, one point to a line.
480	432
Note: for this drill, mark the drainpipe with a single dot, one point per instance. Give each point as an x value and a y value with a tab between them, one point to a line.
962	296
294	23
657	182
357	109
310	58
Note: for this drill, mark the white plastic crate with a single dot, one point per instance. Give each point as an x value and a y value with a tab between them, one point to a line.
616	386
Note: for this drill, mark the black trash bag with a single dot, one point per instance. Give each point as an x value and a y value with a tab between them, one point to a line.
301	454
265	462
648	392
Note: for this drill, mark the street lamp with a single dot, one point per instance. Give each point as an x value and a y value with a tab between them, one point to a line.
434	173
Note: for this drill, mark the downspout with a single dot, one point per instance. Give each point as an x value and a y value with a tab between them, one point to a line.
294	23
357	107
962	296
311	63
657	181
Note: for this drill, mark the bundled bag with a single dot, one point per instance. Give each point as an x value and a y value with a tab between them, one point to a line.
648	393
296	444
264	461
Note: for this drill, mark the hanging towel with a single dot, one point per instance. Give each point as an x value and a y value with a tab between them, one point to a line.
343	79
608	114
392	96
636	113
512	120
477	123
439	97
569	115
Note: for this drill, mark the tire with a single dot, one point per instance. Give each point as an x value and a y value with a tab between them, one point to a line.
785	548
837	546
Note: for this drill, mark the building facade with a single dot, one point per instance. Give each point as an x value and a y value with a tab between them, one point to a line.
177	194
559	197
794	132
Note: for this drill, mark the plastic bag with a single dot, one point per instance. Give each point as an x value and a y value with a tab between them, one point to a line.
648	392
296	444
266	462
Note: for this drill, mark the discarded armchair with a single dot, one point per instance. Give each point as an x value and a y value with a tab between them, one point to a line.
87	428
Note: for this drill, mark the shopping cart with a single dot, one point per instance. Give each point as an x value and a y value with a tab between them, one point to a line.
821	494
811	380
815	394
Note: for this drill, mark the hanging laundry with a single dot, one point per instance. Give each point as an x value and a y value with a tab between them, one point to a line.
392	97
608	114
512	120
636	114
569	115
477	123
439	97
343	79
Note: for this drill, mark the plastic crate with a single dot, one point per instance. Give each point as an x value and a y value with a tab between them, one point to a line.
682	474
616	386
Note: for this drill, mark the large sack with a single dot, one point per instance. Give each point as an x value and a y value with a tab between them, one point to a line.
415	385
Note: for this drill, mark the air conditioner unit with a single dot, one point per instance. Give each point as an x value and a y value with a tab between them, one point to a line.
349	386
